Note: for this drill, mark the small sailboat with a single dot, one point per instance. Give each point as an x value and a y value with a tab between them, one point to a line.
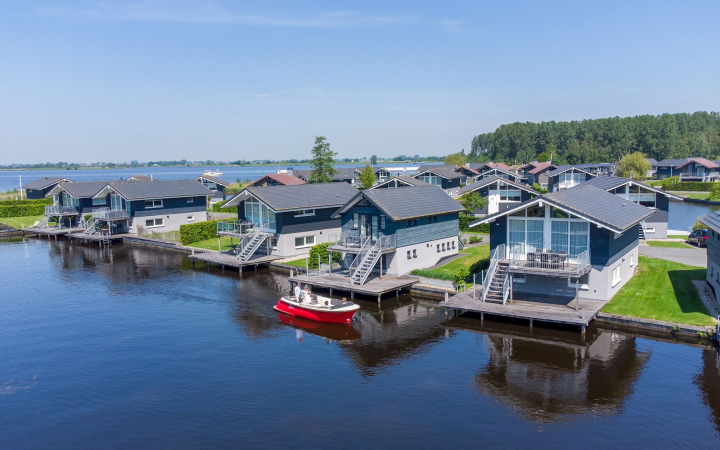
318	309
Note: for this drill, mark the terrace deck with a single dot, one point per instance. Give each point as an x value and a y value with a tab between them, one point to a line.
226	260
96	237
374	287
53	231
543	309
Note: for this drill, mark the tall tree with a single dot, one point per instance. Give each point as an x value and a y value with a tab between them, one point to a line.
373	159
367	177
634	165
457	159
323	161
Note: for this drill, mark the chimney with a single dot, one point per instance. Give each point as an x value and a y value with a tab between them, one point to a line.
290	171
467	164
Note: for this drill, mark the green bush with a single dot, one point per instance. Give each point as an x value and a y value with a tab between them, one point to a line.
195	232
474	239
715	193
483	264
541	190
216	207
698	225
39	201
692	186
321	251
465	221
22	210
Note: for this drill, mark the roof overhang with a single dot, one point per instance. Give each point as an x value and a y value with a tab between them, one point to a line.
213	180
577	169
107	190
432	172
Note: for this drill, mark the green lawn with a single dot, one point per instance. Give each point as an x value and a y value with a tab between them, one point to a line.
448	271
668	244
212	244
663	290
18	222
699	195
677	236
297	263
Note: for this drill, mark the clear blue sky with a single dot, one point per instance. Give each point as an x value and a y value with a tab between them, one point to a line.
91	81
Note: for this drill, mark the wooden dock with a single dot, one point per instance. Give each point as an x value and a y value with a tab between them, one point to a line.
227	260
52	231
81	236
375	287
537	308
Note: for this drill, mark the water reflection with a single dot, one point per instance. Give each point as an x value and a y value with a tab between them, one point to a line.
709	383
549	376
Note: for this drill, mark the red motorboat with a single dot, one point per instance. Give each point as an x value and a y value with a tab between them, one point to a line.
319	309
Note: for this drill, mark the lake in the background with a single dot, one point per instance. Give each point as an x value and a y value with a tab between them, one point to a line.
130	347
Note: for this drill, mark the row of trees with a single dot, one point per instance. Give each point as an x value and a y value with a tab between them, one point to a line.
602	140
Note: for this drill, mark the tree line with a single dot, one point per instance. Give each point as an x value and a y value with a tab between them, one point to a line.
602	140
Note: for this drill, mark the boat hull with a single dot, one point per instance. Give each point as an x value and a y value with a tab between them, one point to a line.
328	316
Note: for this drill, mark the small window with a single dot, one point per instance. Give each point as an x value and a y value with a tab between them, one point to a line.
305	212
152	223
408	254
99	201
304	241
453	244
414	253
356	220
438	248
443	246
191	200
382	222
153	204
616	276
191	218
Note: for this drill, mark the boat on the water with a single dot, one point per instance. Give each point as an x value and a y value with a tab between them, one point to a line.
211	173
318	308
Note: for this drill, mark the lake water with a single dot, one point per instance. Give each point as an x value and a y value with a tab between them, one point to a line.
682	216
131	347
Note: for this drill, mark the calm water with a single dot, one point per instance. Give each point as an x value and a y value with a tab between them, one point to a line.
132	348
682	216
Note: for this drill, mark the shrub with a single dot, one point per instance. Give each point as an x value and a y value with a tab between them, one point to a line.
715	193
321	251
698	225
540	189
39	201
195	232
483	264
216	207
474	239
22	210
460	276
465	221
692	186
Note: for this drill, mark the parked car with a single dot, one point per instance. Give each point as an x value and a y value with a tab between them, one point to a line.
698	237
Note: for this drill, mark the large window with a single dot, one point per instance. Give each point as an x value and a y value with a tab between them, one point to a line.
69	200
99	201
569	236
304	241
570	179
153	204
534	235
559	236
517	235
506	193
431	179
260	215
153	223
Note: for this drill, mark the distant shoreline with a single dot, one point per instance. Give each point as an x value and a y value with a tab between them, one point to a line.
67	169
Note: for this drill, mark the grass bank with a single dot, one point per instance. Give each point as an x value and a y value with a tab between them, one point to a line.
668	244
662	290
212	244
678	236
472	256
19	222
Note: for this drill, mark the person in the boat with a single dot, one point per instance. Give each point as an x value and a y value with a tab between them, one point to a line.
306	294
297	291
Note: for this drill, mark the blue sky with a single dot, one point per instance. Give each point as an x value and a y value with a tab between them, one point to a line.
91	81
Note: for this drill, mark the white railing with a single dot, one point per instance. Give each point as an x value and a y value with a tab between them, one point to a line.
358	258
234	227
531	258
110	214
356	241
506	288
496	257
368	264
52	210
642	226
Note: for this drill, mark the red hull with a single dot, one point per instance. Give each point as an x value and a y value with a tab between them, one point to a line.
317	316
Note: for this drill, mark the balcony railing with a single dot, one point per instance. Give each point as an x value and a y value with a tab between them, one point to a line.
522	257
353	241
234	227
110	214
54	210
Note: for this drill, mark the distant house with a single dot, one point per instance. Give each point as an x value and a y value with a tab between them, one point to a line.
539	174
523	170
654	226
292	218
381	174
501	173
39	188
397	230
342	175
217	186
398	182
699	169
582	238
442	176
502	194
277	179
607	169
470	174
712	221
566	177
668	168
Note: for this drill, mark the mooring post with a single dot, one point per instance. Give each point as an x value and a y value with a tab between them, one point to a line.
474	286
331	292
531	323
446	297
352	294
330	263
482	317
446	313
219	247
379	295
582	329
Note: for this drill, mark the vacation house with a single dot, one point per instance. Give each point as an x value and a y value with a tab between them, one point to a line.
539	174
583	239
566	177
396	230
39	188
469	173
443	176
398	182
277	179
501	194
688	169
216	185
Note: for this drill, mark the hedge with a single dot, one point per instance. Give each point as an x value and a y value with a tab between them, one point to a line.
465	221
39	201
22	210
215	207
694	186
321	250
195	232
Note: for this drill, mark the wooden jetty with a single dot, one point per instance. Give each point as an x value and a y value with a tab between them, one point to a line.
52	231
99	238
226	260
563	310
375	287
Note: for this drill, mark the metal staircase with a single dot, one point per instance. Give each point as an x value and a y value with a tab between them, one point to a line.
497	286
91	226
43	222
641	230
367	263
250	244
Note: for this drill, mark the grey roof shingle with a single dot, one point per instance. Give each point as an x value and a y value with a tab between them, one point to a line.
672	162
215	180
565	168
42	183
282	198
712	220
443	171
138	190
84	189
407	179
401	204
607	183
481	183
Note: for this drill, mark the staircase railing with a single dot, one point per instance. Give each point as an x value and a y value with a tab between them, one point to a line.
358	258
506	287
44	220
367	265
642	227
498	254
254	242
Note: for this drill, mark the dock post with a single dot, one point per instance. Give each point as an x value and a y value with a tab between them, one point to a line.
577	294
531	323
446	297
352	294
219	246
331	292
446	313
330	265
582	329
397	292
482	317
379	295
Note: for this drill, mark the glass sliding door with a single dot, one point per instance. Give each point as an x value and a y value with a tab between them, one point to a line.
535	232
578	237
516	241
115	202
559	236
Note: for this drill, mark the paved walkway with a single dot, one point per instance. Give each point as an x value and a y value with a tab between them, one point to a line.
690	256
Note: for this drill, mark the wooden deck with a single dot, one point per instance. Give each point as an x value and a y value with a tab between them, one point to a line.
566	270
53	231
226	260
543	309
374	287
96	237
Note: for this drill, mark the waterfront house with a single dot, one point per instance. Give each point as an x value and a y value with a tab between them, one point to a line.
277	179
539	174
668	168
157	206
501	173
288	220
566	177
443	176
217	186
398	182
39	188
395	231
656	225
688	169
712	222
72	200
502	194
469	173
580	243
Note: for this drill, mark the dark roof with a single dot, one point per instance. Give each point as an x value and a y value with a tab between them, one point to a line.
407	179
481	183
401	204
712	220
607	183
497	169
424	167
84	189
341	174
652	161
565	168
215	180
281	178
469	169
138	190
443	171
42	183
702	161
590	203
282	198
671	162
